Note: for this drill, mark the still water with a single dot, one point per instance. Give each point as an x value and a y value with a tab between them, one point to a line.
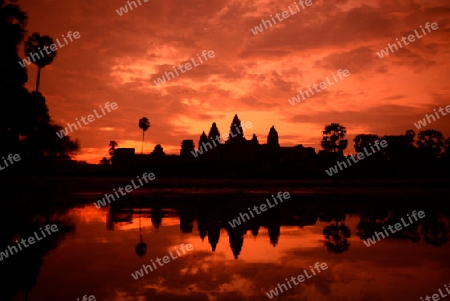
96	251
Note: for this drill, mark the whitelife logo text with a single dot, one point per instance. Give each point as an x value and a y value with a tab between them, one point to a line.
397	227
300	278
110	197
411	38
262	207
90	118
145	268
35	56
30	240
284	16
322	85
162	80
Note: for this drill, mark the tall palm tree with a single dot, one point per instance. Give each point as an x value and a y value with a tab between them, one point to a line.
35	44
144	124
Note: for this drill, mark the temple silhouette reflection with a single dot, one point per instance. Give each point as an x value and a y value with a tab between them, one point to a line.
208	216
212	221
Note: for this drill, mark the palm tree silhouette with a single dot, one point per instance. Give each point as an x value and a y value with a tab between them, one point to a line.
144	124
141	247
35	44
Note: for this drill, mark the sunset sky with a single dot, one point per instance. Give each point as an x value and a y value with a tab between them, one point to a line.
117	58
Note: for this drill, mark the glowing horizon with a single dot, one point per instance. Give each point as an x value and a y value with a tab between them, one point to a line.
118	58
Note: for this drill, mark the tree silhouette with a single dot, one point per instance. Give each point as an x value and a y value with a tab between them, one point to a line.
12	30
364	141
36	45
410	134
43	147
447	147
112	148
430	143
337	237
401	145
435	232
25	124
12	76
336	234
367	227
333	138
144	124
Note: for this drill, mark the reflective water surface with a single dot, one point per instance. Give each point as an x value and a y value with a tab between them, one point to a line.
95	250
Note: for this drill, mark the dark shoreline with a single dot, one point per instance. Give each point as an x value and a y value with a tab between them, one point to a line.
32	185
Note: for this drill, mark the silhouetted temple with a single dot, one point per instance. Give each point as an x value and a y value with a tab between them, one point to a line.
232	155
216	156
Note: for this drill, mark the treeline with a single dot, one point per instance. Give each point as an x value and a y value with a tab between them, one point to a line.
427	154
424	154
26	128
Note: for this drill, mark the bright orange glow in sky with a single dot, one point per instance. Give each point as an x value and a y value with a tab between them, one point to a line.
117	58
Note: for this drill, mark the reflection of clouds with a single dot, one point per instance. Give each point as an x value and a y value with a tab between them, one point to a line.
89	213
222	278
104	261
363	271
203	275
246	286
